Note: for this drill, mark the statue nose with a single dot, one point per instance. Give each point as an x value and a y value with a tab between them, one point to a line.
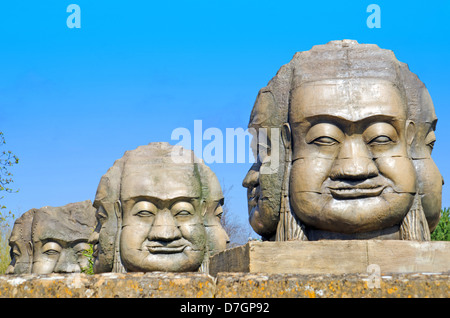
67	263
354	162
164	228
252	177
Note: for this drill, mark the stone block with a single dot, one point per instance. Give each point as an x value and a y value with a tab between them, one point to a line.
333	257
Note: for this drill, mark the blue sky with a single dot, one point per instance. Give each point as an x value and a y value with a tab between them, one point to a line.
74	100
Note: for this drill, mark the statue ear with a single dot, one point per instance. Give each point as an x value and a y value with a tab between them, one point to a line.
30	248
410	132
118	209
286	135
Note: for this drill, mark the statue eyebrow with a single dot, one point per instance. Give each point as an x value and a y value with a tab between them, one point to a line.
62	242
343	122
434	124
164	202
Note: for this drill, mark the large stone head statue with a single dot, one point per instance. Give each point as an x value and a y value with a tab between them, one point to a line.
59	236
158	209
21	247
357	130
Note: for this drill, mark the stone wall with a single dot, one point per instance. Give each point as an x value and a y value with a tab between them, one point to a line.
324	269
225	285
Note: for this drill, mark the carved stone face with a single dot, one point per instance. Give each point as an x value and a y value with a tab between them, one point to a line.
265	177
59	256
158	209
264	189
103	238
60	236
351	171
162	227
430	180
217	236
21	246
108	215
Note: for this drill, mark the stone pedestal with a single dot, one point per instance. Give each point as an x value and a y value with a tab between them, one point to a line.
224	286
322	269
334	257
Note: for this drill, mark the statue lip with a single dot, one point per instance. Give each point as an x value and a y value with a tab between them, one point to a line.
95	250
253	196
356	191
165	249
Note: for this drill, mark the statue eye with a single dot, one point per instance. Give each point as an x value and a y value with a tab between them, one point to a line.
16	253
219	212
51	252
430	140
183	213
324	134
381	140
263	152
101	215
83	249
325	141
51	248
182	209
145	213
144	209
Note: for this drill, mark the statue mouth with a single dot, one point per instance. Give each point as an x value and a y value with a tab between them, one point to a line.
253	196
95	250
166	249
356	192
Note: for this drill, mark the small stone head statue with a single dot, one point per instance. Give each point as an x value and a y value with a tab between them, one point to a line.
356	130
52	239
158	209
21	247
60	236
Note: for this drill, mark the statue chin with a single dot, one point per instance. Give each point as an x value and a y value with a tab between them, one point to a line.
391	233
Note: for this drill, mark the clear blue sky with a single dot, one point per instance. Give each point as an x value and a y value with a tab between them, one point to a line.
74	100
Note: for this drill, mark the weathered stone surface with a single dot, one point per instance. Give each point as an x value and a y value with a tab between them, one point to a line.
246	285
333	257
226	285
108	285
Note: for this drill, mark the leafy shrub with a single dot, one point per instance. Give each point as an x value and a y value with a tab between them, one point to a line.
5	259
442	231
88	254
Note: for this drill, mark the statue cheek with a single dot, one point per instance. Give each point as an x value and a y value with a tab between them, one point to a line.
309	174
400	171
132	237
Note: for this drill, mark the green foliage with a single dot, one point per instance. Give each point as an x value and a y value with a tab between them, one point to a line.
7	159
5	259
88	254
442	231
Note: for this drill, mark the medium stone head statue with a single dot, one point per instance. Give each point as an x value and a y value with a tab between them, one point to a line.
109	221
60	237
217	237
357	131
158	209
21	246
